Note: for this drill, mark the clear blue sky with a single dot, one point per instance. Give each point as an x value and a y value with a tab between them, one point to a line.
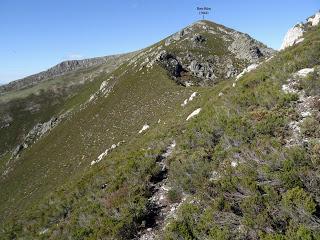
36	34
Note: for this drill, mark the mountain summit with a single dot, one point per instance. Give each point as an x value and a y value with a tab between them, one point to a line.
204	53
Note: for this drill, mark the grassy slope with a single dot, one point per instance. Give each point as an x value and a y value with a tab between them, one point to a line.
76	142
248	124
100	125
51	96
270	194
268	190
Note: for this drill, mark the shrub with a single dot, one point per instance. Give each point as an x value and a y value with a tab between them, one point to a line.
296	199
174	195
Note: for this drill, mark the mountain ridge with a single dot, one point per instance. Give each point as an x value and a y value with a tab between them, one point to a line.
60	69
170	146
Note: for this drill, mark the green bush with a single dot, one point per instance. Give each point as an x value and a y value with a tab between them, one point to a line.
296	199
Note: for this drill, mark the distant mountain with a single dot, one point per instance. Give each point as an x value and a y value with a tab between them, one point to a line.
61	69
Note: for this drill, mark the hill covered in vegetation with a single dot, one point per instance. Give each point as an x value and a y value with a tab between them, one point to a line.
207	134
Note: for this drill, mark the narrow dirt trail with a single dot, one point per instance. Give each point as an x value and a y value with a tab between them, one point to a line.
160	207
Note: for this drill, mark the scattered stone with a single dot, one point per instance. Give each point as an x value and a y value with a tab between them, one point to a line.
304	106
144	128
193	95
161	208
194	113
247	70
44	231
106	152
234	163
214	176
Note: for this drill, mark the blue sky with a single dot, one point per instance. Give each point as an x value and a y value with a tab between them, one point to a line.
37	34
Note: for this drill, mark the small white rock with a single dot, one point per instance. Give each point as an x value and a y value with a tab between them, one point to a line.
144	128
247	69
234	164
194	113
103	85
305	114
304	72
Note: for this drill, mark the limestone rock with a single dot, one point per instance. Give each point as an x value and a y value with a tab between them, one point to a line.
315	19
293	36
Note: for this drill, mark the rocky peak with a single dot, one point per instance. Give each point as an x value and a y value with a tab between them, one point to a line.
206	52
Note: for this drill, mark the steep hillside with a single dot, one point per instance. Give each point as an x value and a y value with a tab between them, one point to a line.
38	98
233	156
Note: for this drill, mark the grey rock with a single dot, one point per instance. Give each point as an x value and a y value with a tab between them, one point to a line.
197	39
168	41
246	48
5	121
35	133
175	37
231	71
202	70
170	63
17	150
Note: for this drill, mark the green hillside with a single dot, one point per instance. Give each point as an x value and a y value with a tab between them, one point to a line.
238	168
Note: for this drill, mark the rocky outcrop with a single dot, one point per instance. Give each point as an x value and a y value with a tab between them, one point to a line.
202	70
171	64
5	121
304	107
37	132
175	37
314	20
246	48
197	39
293	36
202	54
